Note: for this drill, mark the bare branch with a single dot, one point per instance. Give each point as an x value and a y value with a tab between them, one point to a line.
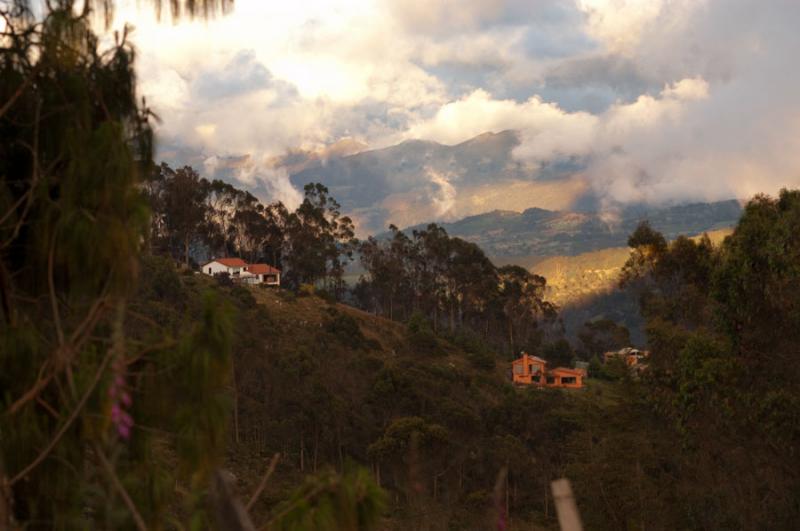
49	448
28	80
112	475
270	469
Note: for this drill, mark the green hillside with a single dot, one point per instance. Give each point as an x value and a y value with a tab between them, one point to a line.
330	387
537	232
571	279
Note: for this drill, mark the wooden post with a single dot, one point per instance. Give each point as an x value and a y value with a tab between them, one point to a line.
568	517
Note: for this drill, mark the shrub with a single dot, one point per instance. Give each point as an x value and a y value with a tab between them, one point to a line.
223	279
345	329
306	290
478	352
287	295
243	297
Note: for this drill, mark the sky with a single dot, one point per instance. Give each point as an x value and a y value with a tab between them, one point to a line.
660	100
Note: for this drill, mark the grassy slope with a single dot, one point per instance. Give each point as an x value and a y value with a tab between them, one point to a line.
436	387
571	278
303	382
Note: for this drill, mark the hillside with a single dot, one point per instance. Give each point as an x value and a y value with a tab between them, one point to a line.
327	386
538	233
585	287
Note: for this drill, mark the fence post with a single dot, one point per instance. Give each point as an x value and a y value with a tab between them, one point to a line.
568	517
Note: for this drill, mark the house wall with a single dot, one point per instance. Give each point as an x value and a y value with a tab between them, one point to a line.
558	380
215	268
527	370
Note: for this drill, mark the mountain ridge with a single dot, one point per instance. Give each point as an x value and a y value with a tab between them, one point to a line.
543	233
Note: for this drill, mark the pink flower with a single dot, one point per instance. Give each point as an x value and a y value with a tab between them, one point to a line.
121	400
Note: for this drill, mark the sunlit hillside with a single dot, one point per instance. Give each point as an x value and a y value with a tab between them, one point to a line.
574	278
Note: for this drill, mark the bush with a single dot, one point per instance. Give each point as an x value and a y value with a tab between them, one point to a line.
420	336
223	279
478	352
306	290
424	342
326	295
287	295
159	280
345	329
242	296
481	360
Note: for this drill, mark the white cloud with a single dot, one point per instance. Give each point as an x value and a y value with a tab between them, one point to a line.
698	98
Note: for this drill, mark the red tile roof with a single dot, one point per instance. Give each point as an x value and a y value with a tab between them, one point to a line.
263	269
231	262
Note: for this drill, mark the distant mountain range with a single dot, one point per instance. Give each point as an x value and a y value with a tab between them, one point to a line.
536	233
419	180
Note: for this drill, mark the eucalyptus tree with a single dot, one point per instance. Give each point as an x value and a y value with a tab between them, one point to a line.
108	419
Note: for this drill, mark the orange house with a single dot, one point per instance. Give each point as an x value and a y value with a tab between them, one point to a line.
528	370
563	377
532	370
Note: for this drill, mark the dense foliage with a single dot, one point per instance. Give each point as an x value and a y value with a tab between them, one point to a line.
720	394
114	396
196	219
121	376
454	284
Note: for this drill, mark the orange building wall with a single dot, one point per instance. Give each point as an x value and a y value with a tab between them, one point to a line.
525	370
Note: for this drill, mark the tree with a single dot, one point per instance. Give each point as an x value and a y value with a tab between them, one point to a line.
318	236
558	353
600	336
522	302
78	377
184	209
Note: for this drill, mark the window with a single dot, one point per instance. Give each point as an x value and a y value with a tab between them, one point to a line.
537	378
568	380
209	270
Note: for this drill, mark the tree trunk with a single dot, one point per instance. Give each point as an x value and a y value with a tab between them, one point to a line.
235	405
186	250
302	453
316	449
452	318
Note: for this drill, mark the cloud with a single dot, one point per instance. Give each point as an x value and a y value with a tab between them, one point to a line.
547	130
652	100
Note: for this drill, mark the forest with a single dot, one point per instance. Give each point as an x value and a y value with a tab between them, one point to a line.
136	394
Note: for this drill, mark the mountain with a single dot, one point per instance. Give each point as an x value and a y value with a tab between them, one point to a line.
528	236
419	180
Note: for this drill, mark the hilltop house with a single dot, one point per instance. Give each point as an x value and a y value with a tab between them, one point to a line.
262	274
241	271
528	370
231	266
532	370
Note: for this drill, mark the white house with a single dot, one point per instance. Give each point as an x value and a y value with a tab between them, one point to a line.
262	274
241	271
232	266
